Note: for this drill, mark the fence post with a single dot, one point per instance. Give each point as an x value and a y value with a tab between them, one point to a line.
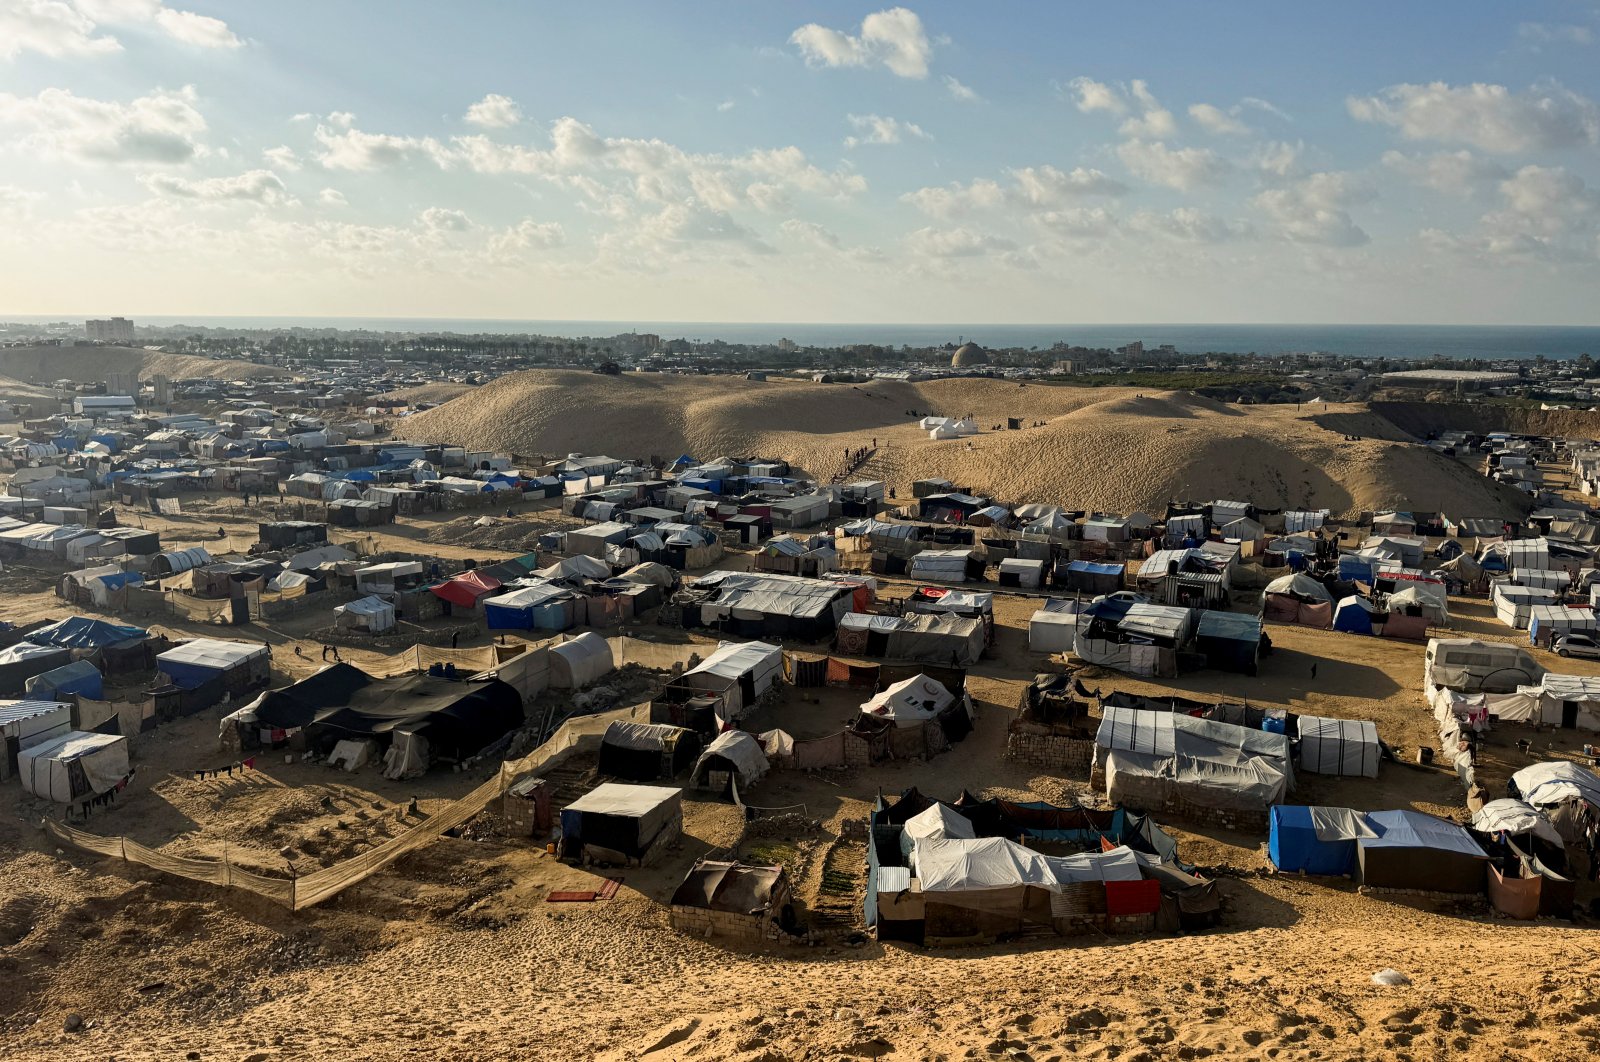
227	869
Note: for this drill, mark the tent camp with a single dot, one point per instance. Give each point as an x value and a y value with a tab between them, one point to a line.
581	662
74	766
541	606
617	823
1514	818
946	565
1051	631
1154	760
644	752
372	614
21	662
1420	852
24	724
1315	840
1298	598
420	718
1560	789
79	677
1353	615
914	701
467	589
202	660
735	757
738	674
1346	747
1231	641
1023	574
1513	605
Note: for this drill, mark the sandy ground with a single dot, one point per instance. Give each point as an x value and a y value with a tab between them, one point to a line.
454	953
1102	448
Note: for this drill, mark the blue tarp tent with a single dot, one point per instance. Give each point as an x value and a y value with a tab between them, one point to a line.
1315	840
1353	615
80	677
1353	568
527	608
711	485
81	632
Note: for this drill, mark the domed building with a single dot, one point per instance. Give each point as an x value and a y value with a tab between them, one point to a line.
969	355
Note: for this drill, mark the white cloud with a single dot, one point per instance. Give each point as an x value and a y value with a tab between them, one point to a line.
1153	120
527	235
1278	158
1314	209
342	120
164	126
1549	214
1258	104
725	106
1097	96
202	31
1216	120
809	232
1190	225
1456	172
1538	33
1032	188
494	111
1080	222
955	243
959	91
352	149
443	219
893	37
49	27
262	187
878	129
680	226
1180	168
332	197
1491	118
186	27
282	157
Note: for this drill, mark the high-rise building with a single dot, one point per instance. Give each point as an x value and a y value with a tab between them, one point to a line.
112	330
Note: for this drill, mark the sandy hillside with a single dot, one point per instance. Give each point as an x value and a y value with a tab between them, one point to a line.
430	394
90	364
1103	447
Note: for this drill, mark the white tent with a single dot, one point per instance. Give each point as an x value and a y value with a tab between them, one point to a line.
940	565
1514	817
1429	599
1556	781
367	613
579	567
74	766
650	573
580	662
1027	574
935	824
1347	747
740	750
741	671
911	702
1301	586
1052	632
383	578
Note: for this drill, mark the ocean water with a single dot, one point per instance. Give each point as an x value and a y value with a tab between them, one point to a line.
1366	341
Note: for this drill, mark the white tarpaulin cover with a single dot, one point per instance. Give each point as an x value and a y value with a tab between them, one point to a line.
732	660
740	749
1545	784
1340	824
1515	817
212	653
1152	756
911	702
1347	747
937	823
47	769
584	660
374	612
965	864
1301	586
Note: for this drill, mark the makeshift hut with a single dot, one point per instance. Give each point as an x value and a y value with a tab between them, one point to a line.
580	662
24	724
734	758
1345	747
621	824
79	678
371	614
1419	852
1316	840
1298	598
645	752
234	666
722	899
24	660
74	766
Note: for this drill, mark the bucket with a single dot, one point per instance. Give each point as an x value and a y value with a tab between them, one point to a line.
550	849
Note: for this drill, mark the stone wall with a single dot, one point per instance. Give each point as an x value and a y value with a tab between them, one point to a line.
699	922
1046	750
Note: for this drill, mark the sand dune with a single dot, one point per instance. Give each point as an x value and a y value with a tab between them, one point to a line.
90	364
1103	448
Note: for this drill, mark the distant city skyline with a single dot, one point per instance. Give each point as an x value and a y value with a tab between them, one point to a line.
826	163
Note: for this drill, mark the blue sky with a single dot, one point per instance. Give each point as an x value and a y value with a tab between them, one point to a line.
803	162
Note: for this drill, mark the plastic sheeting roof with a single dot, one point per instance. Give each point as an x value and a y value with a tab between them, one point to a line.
212	653
81	632
740	749
630	801
1413	829
733	659
1543	784
911	701
1513	816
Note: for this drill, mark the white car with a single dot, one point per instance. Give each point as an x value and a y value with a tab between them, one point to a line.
1577	645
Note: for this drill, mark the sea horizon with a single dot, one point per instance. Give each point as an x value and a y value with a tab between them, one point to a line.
1404	342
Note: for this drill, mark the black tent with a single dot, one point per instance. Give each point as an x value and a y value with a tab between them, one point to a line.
644	752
